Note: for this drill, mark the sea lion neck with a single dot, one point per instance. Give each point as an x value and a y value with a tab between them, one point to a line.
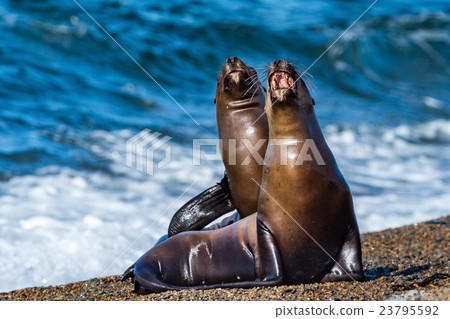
255	100
289	118
289	105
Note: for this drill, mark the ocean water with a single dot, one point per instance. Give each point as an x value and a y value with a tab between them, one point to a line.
70	98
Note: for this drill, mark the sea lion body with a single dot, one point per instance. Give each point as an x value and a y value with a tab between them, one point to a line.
243	132
226	257
241	123
306	203
304	231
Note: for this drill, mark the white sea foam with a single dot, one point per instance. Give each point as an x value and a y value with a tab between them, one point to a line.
64	225
395	177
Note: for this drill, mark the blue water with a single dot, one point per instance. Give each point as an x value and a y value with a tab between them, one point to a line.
70	98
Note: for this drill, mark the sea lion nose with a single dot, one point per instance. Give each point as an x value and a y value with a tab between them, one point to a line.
232	60
278	62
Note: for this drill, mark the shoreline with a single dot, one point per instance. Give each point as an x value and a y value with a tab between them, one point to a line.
405	263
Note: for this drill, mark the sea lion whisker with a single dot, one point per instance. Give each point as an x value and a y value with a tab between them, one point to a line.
260	86
250	89
251	99
304	74
252	79
307	78
254	76
264	78
264	65
251	84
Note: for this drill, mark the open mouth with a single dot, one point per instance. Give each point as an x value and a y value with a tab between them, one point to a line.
281	80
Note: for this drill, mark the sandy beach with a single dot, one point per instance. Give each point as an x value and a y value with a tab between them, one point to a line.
406	263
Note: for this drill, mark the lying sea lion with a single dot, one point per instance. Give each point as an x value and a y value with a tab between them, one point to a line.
232	256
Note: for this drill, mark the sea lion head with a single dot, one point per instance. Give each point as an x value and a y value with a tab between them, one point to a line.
285	86
236	82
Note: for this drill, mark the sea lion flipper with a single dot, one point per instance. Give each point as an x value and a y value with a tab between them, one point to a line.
230	257
348	265
202	209
129	273
143	286
268	261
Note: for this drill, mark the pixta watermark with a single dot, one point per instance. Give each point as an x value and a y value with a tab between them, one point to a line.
142	148
149	151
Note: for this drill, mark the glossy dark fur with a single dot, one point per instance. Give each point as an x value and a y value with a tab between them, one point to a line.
228	257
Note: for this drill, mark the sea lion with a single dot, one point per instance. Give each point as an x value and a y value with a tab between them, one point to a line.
243	128
306	204
304	231
240	115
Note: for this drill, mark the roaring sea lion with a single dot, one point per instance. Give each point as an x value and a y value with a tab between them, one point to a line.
304	231
305	203
243	128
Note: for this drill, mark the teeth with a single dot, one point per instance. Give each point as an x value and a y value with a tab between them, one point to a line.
281	80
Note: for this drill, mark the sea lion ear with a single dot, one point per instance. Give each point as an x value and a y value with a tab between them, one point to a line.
214	100
313	102
265	90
